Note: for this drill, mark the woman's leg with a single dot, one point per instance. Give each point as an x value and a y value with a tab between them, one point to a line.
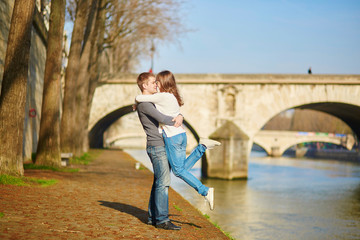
194	156
197	153
176	152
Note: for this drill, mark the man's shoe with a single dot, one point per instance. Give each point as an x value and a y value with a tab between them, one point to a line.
209	143
210	198
168	226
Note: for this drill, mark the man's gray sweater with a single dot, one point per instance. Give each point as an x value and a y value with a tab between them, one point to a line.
150	118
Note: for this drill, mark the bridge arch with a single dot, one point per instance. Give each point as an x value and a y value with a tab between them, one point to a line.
348	113
286	147
262	146
96	134
281	149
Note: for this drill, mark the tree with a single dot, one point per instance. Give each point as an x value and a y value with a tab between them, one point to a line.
88	37
121	30
89	76
48	150
132	29
13	91
68	120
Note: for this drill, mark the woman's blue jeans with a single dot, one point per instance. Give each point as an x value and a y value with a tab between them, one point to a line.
180	165
159	198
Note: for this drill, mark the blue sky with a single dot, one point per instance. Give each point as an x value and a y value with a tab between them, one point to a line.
265	36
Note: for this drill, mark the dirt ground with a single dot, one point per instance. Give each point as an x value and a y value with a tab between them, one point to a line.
106	199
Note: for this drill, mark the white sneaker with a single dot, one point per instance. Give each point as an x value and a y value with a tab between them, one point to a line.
210	198
209	143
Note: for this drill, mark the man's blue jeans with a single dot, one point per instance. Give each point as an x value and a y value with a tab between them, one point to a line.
159	197
180	165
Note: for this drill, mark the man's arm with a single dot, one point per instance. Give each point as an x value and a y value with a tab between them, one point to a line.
150	110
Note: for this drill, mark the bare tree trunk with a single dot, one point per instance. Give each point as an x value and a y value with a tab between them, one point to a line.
68	120
48	150
13	91
97	48
84	78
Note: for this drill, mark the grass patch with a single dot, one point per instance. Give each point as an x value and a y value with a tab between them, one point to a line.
2	215
39	167
85	159
177	208
11	180
42	182
218	227
55	169
24	181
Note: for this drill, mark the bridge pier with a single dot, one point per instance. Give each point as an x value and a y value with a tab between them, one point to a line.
275	151
230	160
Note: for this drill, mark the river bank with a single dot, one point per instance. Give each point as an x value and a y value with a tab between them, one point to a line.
106	199
334	154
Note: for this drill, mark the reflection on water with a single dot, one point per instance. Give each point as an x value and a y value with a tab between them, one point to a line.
282	199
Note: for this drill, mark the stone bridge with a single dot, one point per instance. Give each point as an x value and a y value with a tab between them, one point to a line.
233	109
275	143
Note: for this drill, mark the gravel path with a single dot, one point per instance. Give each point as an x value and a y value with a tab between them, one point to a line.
106	199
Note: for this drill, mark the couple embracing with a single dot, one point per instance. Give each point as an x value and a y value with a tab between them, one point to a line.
159	112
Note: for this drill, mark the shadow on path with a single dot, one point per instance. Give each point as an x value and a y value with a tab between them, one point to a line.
137	212
188	223
125	208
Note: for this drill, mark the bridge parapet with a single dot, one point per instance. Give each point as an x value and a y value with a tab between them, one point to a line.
314	79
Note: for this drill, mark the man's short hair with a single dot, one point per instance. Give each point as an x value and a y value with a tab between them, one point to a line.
143	78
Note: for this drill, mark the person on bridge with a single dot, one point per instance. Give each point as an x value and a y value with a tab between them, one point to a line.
155	148
168	102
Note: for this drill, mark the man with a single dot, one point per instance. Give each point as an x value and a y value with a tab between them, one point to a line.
155	148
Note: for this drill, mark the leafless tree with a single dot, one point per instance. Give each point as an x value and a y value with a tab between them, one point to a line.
68	120
133	26
108	37
48	150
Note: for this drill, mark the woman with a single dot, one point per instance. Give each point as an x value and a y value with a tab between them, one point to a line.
168	102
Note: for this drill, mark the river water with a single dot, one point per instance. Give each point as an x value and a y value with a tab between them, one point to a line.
284	198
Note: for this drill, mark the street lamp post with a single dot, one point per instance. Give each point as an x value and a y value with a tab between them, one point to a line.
152	51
